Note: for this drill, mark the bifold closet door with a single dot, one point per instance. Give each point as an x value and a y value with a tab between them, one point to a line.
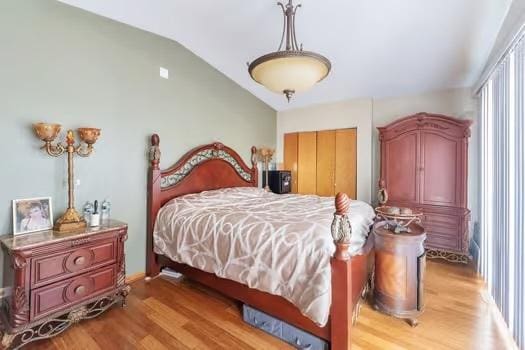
346	162
326	163
291	144
307	163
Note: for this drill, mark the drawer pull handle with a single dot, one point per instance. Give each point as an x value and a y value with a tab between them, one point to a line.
79	261
80	241
80	290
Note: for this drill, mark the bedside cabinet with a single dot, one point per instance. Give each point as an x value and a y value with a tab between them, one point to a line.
399	272
54	280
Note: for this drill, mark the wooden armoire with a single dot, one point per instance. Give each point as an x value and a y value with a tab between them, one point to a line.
424	165
322	162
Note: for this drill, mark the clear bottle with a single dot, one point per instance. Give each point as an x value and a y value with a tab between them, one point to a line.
105	210
87	210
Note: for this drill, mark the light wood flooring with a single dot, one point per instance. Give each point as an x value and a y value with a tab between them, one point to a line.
161	315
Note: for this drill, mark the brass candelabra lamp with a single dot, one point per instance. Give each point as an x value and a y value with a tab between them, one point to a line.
265	155
71	220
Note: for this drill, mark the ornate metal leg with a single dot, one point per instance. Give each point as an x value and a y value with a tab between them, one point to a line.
448	256
55	325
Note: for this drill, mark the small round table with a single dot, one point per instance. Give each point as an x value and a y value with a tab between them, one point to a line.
399	272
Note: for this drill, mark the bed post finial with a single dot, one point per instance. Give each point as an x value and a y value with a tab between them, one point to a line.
254	157
154	151
342	203
341	228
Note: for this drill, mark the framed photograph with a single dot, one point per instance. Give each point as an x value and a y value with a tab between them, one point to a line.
32	214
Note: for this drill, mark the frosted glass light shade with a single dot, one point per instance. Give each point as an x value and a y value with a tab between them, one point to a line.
289	70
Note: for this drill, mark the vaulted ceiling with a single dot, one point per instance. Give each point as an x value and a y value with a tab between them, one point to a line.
378	48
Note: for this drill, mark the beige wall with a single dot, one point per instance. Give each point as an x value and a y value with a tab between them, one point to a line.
61	64
367	114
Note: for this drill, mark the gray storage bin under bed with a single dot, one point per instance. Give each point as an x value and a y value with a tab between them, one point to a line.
288	333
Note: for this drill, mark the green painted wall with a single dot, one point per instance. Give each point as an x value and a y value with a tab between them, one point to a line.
61	64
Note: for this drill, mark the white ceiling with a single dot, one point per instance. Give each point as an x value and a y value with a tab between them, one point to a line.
377	48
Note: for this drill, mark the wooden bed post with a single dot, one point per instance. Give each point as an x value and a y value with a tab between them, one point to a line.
255	171
342	306
154	177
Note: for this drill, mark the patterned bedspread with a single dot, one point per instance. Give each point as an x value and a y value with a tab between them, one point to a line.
280	244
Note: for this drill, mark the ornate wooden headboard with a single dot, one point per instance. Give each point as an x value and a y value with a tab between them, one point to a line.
207	167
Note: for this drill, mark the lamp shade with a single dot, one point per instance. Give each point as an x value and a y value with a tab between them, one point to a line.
289	70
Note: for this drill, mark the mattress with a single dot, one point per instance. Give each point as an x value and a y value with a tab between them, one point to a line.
280	244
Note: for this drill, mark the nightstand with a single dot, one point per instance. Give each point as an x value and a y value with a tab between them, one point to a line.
54	280
399	272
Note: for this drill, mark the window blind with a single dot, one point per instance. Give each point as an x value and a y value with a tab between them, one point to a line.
502	108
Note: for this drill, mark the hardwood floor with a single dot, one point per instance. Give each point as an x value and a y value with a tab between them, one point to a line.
160	315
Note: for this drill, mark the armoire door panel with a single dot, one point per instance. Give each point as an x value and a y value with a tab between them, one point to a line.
290	157
346	162
325	163
401	158
307	163
439	175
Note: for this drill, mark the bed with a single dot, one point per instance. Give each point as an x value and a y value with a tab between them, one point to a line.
208	220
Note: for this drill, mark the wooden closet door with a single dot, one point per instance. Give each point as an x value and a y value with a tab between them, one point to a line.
307	163
440	178
400	167
325	163
346	162
290	157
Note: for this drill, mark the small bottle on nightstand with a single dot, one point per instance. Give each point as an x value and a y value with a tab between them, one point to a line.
95	216
87	211
105	211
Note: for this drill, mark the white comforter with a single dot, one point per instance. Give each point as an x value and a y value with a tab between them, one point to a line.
280	244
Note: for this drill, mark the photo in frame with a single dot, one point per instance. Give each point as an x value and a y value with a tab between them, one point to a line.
32	214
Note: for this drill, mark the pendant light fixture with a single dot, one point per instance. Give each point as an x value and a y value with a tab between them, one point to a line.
290	70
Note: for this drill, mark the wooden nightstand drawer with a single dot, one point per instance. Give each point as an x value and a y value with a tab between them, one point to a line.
47	300
51	268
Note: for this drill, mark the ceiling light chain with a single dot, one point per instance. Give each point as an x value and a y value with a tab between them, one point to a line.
292	69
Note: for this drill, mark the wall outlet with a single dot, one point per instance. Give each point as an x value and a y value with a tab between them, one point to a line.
164	73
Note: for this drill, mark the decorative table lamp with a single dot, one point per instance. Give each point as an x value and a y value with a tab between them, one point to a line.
265	155
70	220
